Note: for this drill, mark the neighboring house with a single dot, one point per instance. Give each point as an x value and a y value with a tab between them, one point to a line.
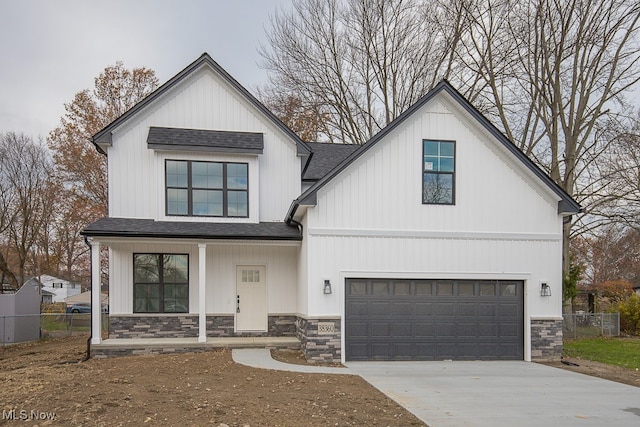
437	239
47	297
60	288
20	314
85	298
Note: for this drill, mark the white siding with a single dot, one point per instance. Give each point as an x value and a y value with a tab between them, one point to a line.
370	220
281	273
201	101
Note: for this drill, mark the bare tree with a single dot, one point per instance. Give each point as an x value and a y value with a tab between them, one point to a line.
574	60
552	74
27	173
363	61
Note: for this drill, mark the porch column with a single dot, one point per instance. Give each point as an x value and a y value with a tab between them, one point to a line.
96	306
202	286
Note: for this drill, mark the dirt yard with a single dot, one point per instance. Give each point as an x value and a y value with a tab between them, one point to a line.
41	380
47	379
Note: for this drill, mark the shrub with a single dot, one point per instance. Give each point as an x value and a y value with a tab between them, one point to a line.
630	314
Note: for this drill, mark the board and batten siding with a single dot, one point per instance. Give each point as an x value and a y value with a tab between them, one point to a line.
279	260
202	101
370	220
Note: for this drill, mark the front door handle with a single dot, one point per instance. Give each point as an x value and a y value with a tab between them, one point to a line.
237	303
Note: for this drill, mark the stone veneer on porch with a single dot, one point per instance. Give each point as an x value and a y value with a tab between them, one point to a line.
186	326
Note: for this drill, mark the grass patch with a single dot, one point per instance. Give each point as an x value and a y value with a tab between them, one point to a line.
623	352
62	322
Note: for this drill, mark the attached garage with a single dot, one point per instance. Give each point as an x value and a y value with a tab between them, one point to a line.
389	319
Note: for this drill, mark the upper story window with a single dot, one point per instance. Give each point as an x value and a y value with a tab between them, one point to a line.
217	189
438	172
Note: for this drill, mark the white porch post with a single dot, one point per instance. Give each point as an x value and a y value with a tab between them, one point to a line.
202	302
96	306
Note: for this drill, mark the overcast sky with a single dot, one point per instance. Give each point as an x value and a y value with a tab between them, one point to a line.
50	50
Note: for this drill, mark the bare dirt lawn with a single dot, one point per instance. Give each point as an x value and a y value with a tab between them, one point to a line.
195	389
182	389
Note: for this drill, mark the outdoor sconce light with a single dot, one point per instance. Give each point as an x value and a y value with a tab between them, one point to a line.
327	287
545	289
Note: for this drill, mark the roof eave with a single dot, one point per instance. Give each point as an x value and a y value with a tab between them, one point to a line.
139	235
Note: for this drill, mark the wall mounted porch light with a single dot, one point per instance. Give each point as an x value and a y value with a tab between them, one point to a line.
545	289
327	287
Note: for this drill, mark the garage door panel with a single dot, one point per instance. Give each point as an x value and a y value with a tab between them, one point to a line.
508	330
357	308
467	330
424	308
424	330
358	329
509	310
446	330
380	329
469	309
359	351
399	329
488	330
433	320
487	309
445	309
381	351
380	308
403	308
404	350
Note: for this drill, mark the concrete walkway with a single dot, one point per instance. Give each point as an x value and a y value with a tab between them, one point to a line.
261	358
502	394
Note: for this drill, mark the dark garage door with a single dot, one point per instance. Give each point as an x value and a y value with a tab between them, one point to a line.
434	319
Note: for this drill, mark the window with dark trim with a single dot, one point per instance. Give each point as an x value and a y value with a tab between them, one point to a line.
438	172
217	189
160	283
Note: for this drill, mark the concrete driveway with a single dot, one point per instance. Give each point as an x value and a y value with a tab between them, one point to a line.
502	394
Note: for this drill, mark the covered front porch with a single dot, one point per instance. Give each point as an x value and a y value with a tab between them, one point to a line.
238	282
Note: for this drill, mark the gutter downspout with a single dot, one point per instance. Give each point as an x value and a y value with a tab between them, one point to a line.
88	355
292	211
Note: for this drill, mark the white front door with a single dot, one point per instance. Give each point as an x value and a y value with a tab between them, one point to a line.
251	298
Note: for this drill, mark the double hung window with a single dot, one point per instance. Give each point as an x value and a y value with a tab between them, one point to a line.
438	172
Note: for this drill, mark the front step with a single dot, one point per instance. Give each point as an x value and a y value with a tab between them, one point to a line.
137	346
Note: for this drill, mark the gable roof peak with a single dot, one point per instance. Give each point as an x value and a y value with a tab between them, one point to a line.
104	136
566	206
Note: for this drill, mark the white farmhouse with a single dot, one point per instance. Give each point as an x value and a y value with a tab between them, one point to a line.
437	239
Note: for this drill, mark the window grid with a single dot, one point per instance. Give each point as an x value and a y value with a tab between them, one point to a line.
438	172
160	283
211	189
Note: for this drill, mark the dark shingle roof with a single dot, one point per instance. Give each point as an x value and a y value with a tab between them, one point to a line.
326	157
200	139
148	228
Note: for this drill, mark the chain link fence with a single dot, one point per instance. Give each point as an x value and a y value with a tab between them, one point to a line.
21	328
589	325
